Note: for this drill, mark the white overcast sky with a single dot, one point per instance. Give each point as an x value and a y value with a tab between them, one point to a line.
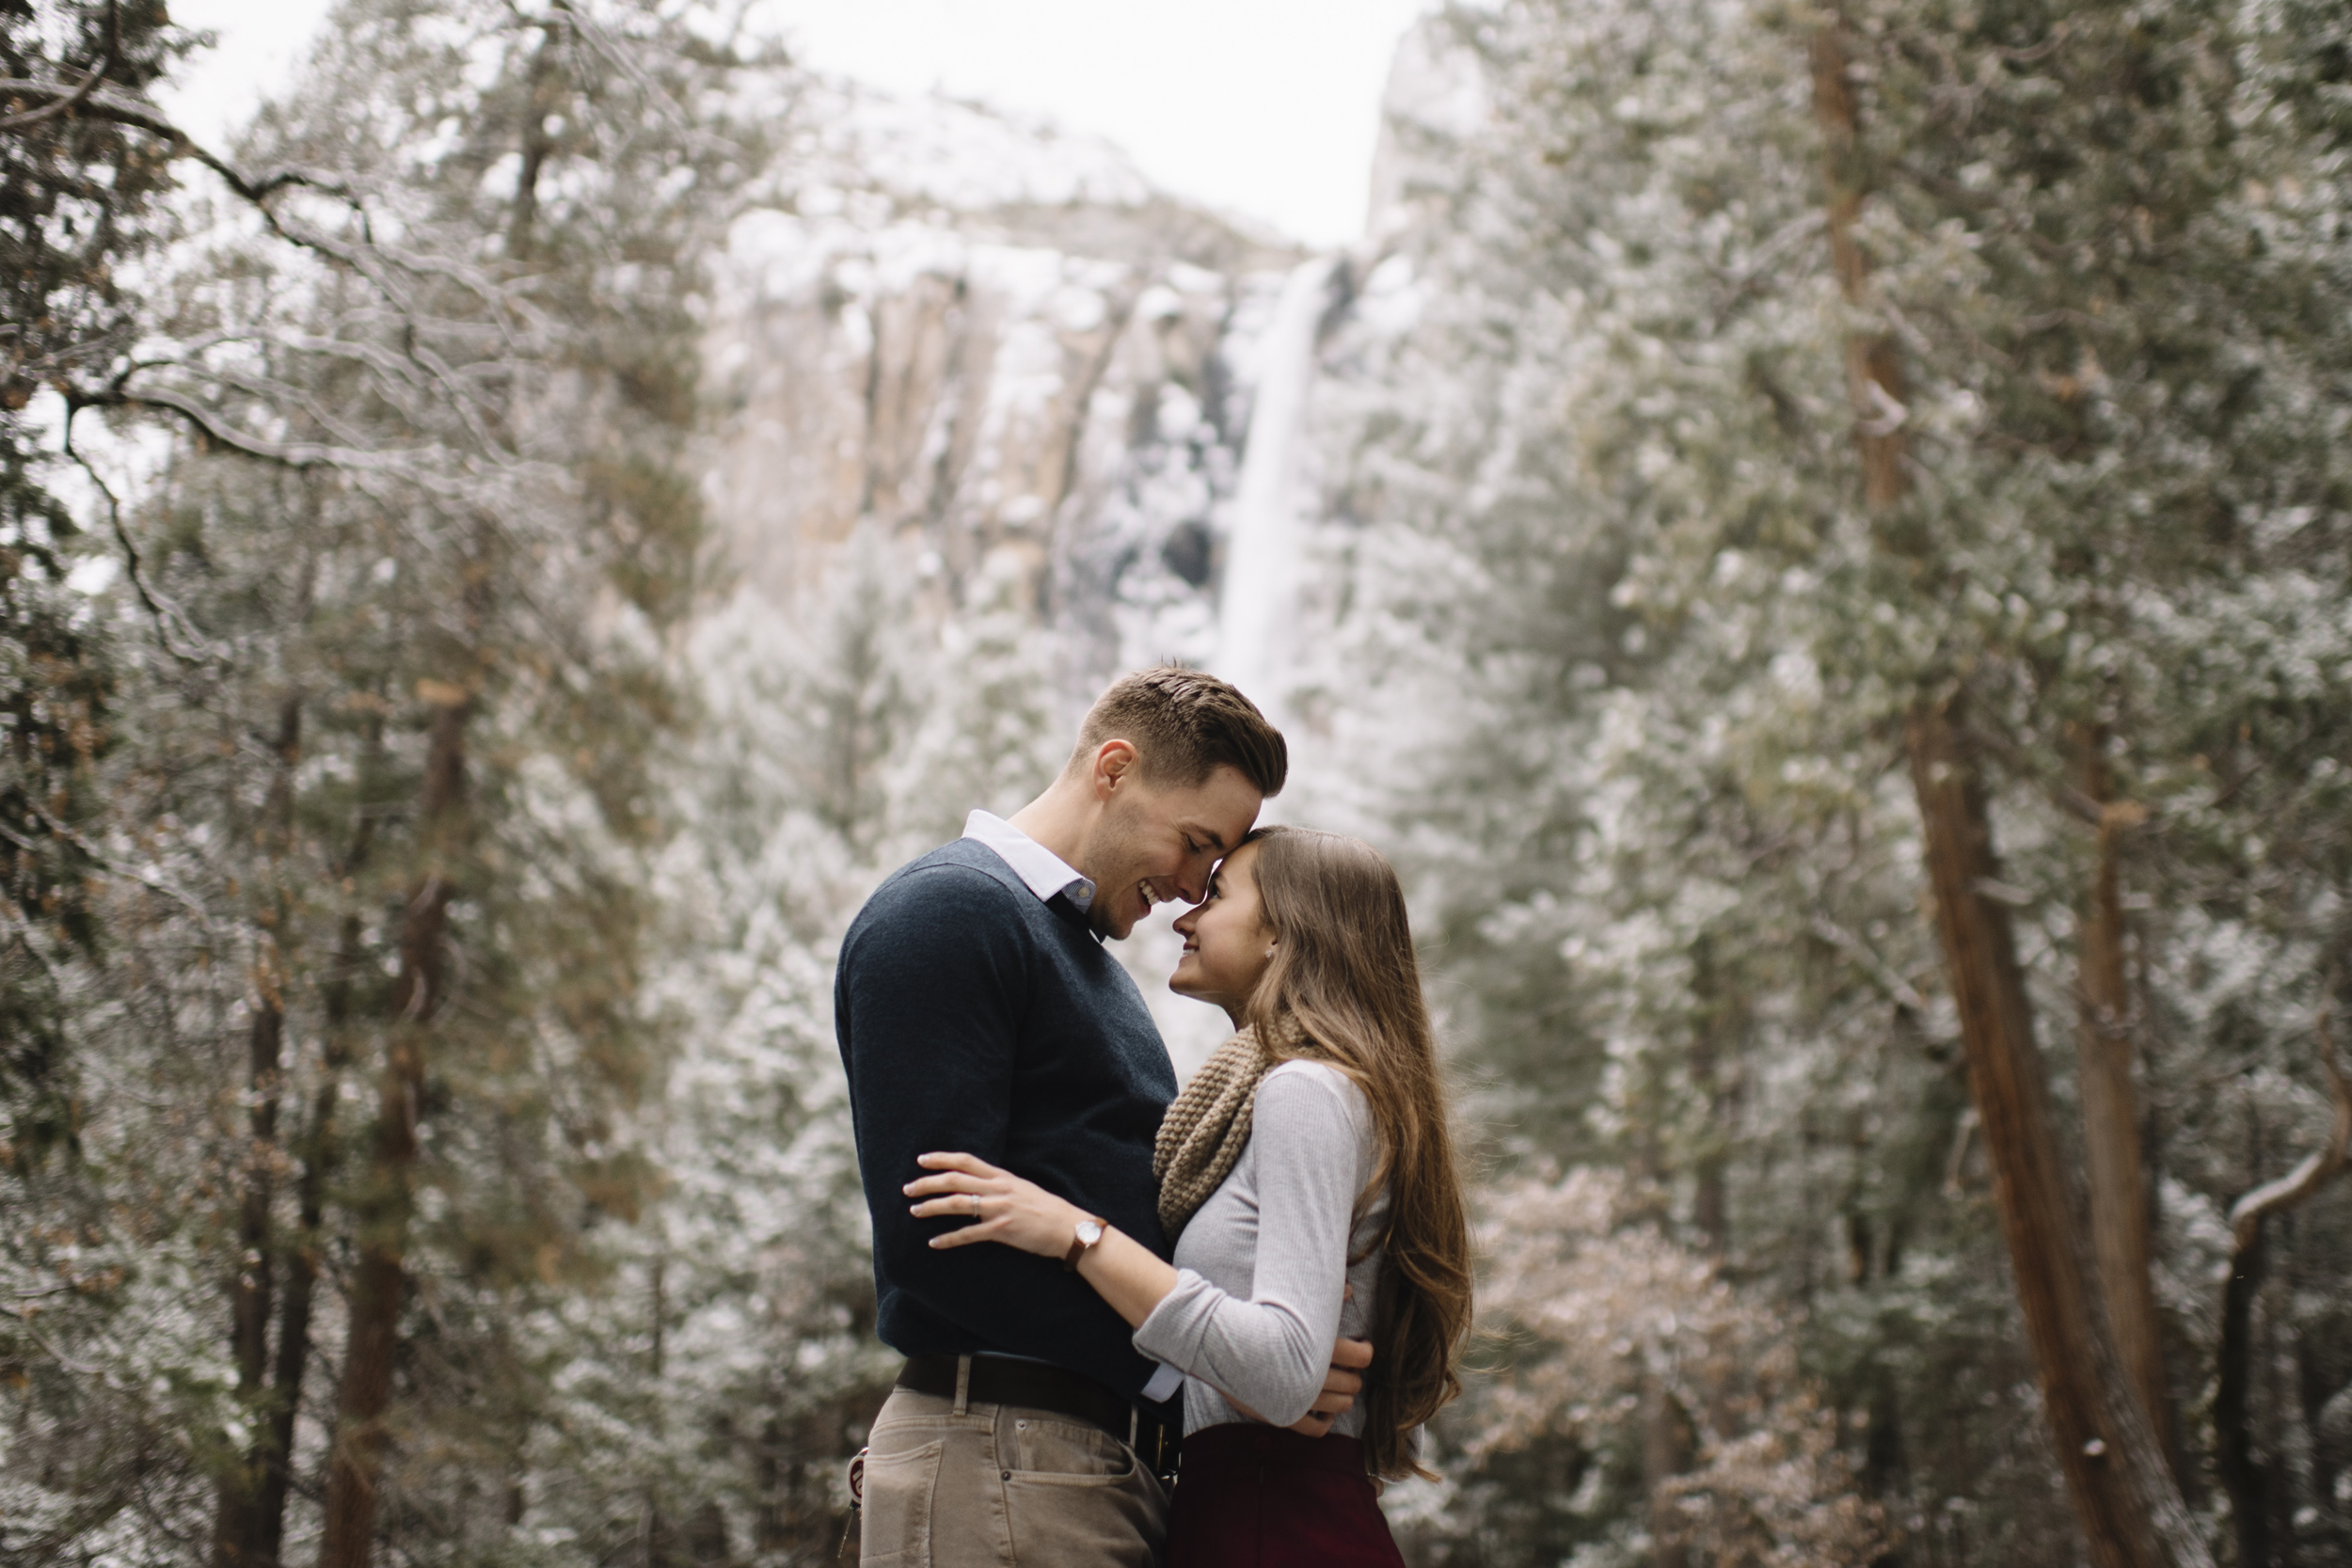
1267	107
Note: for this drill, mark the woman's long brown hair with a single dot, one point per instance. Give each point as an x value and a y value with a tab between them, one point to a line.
1345	974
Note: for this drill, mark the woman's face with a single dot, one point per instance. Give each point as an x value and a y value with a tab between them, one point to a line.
1227	944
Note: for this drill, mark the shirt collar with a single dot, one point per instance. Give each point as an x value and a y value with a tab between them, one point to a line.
1045	872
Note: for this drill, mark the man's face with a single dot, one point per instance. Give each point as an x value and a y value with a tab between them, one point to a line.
1151	846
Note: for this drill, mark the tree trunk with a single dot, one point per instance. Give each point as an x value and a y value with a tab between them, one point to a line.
2244	1476
2130	1507
2131	1510
294	1329
237	1517
1668	1448
1717	1033
379	1285
302	1256
538	145
249	1289
320	1153
658	1553
1874	370
355	1468
771	1478
2121	1223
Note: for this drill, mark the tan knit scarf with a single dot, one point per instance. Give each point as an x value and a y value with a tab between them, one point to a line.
1206	1129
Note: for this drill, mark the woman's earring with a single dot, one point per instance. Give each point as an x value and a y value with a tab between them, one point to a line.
1269	952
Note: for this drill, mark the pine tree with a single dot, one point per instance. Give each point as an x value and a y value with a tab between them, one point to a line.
1721	483
392	685
77	200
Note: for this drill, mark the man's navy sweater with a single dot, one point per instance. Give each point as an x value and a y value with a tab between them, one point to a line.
975	1017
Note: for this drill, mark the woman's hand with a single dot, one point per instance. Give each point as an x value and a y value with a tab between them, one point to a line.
1001	1206
1004	1208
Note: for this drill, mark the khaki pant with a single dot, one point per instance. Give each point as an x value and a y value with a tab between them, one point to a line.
1001	1487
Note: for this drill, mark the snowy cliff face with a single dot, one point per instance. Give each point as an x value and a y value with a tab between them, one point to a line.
994	367
1436	96
1002	350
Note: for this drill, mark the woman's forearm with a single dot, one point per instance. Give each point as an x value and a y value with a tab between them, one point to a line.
1127	1274
1018	1212
1132	1280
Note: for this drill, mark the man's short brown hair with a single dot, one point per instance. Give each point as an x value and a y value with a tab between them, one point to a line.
1185	724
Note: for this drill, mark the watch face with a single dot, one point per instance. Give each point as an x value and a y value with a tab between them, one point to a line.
1088	1232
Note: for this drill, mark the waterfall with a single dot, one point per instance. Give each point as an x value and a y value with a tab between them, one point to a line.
1258	614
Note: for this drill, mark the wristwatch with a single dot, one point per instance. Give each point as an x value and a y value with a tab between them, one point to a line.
1089	1232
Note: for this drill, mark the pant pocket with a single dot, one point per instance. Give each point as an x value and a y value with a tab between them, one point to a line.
1075	1497
1057	1521
1064	1451
895	1530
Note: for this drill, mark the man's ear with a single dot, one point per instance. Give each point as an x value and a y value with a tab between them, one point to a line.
1114	760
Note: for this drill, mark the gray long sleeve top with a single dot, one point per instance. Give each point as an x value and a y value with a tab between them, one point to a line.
1261	1268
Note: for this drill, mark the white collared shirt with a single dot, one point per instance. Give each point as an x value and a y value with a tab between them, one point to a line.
1045	874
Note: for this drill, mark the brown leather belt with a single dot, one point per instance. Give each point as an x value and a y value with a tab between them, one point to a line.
1035	1386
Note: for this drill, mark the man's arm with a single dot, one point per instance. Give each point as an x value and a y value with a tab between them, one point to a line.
934	983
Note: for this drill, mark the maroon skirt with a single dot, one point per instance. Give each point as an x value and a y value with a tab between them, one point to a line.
1254	1497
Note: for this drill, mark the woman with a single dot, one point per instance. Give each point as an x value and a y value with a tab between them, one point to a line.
1307	1175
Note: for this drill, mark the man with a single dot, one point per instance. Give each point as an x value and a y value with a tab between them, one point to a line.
977	1011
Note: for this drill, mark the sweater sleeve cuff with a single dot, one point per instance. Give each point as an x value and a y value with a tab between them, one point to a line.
1172	1334
1165	1381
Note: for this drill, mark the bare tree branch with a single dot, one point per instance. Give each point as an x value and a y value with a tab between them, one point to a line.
120	109
104	863
418	465
80	94
166	614
2297	1185
63	103
1893	984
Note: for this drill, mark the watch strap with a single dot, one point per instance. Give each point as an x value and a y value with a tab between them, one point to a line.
1079	1243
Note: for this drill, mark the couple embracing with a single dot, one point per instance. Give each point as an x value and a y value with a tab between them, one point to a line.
1251	1297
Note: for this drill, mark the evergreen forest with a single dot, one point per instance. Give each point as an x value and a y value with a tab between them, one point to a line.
1816	535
